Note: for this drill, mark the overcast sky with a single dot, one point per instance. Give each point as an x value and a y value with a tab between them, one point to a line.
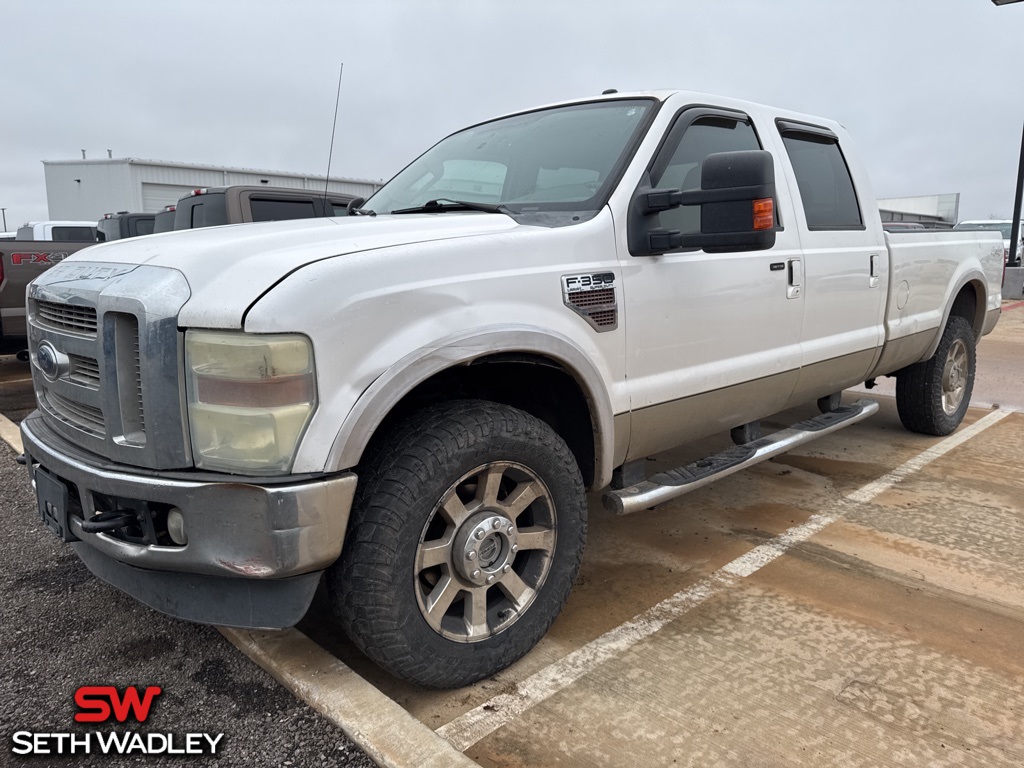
931	90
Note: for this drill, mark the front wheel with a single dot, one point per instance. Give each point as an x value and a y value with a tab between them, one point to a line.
932	396
466	537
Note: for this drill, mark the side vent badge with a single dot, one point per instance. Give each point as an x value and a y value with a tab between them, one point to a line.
592	296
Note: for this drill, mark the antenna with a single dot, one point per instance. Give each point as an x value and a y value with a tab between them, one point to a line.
334	129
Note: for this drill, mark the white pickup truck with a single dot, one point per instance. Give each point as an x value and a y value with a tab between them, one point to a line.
415	400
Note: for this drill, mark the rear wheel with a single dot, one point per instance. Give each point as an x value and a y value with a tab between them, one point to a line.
466	536
932	397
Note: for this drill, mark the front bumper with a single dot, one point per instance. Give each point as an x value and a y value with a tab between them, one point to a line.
255	551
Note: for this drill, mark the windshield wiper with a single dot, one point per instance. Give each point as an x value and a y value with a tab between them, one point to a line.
443	204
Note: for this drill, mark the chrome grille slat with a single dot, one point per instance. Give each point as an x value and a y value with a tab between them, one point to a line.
84	371
137	363
77	414
66	317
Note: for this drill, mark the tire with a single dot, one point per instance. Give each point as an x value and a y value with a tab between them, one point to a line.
932	396
465	538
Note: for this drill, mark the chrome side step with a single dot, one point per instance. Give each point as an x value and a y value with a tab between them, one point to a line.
675	482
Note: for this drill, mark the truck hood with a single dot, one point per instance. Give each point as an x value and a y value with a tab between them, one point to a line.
228	268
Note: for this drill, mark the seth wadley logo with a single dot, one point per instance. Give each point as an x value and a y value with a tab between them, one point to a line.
103	703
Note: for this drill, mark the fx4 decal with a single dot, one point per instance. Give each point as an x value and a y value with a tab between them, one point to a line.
18	259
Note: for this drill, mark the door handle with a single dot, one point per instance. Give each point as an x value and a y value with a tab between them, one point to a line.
796	279
873	280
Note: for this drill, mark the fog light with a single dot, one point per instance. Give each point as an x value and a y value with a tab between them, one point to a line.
176	526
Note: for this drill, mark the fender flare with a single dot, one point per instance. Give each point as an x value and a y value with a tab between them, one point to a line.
388	389
977	322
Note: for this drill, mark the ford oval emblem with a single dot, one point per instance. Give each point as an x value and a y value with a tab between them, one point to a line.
48	361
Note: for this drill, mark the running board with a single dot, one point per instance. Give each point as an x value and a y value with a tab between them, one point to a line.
675	482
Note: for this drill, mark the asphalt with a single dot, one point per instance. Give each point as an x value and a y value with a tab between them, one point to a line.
61	628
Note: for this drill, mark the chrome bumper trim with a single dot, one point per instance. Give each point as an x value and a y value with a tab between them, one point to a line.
235	529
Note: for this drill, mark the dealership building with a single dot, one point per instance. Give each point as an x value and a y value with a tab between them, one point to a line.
87	189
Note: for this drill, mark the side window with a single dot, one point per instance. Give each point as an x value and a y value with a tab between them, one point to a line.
267	209
826	188
704	136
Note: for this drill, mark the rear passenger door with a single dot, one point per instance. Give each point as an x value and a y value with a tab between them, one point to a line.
845	263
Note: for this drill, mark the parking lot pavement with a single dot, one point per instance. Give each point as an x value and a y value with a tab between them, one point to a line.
856	602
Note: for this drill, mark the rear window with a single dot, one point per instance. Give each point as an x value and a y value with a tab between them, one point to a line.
826	188
74	234
268	209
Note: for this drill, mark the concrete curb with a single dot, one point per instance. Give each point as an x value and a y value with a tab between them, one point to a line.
11	434
386	732
382	729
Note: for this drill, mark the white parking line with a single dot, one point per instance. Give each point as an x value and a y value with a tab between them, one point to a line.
469	728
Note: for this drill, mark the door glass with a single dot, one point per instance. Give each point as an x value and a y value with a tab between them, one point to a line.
706	136
826	188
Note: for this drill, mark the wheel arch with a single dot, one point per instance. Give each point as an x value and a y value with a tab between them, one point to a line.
488	365
969	301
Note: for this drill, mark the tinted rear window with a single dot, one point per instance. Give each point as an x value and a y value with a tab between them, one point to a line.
826	187
144	226
266	209
74	234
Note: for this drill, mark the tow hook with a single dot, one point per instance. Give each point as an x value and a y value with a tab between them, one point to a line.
108	521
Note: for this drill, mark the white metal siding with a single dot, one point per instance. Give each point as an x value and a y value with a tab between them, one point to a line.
156	196
86	189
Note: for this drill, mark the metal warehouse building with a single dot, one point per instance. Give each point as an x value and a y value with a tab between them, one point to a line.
86	189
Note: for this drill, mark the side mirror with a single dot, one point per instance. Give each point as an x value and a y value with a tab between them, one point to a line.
737	200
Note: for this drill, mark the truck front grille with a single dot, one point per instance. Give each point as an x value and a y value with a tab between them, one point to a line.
80	415
66	317
118	389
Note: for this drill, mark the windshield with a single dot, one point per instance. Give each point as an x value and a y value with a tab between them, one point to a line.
986	226
560	159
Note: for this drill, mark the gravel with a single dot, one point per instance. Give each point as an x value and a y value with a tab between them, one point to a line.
61	628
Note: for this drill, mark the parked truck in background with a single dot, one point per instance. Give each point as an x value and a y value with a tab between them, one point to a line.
164	221
415	400
114	226
58	231
214	206
20	262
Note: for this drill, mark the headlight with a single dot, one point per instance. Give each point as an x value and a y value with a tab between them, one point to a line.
249	399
